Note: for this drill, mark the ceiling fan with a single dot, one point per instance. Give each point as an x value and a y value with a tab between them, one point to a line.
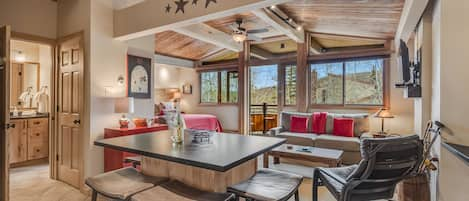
241	34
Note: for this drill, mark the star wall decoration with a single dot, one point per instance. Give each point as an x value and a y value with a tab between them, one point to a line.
168	8
194	2
180	5
207	2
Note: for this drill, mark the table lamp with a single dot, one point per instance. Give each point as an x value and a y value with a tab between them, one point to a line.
125	106
383	113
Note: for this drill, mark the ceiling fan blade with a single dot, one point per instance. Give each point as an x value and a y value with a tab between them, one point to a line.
254	38
254	31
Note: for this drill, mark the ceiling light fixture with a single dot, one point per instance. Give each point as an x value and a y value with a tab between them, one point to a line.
239	37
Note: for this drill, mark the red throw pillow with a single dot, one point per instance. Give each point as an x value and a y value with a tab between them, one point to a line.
343	127
298	124
319	122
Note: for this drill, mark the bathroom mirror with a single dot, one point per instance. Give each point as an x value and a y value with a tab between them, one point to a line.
25	79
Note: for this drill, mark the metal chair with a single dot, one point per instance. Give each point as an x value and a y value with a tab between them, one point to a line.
385	162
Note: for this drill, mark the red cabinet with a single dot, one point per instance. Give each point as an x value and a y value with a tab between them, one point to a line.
114	159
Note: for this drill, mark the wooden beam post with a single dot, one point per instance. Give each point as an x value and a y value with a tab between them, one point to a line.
302	96
243	66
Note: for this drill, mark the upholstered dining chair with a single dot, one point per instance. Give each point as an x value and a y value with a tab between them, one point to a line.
385	162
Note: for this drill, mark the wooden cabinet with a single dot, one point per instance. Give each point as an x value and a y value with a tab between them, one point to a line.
18	141
29	140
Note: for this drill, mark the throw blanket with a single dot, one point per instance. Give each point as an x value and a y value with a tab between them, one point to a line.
202	122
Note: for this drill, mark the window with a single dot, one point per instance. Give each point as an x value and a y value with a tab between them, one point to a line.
209	87
264	85
290	85
358	82
219	87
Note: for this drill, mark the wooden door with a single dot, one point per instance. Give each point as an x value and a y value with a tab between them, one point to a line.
70	110
18	141
4	109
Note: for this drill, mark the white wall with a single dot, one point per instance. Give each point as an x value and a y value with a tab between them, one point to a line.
30	16
170	76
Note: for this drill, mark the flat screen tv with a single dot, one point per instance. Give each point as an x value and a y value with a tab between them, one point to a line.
404	62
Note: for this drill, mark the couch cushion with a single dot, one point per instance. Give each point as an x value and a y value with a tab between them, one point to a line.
298	124
361	123
343	127
285	119
338	142
319	122
303	139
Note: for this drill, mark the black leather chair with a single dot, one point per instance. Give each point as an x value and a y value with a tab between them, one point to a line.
385	162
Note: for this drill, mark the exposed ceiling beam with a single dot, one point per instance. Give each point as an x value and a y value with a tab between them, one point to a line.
280	25
168	60
271	39
149	17
214	55
210	35
261	53
411	15
344	37
315	47
352	48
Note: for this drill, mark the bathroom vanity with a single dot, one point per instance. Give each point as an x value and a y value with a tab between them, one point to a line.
29	139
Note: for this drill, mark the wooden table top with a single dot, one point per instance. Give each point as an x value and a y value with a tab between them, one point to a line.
224	152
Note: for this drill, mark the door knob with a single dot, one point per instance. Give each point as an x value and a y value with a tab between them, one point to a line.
76	121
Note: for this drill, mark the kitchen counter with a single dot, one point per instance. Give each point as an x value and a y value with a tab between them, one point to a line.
38	115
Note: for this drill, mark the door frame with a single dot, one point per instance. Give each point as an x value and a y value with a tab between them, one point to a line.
81	138
5	117
53	82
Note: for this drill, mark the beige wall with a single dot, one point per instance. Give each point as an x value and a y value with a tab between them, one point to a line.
30	16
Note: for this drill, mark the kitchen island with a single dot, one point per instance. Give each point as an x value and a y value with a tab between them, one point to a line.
225	160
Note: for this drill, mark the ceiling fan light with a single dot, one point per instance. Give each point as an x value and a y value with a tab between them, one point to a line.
299	28
239	37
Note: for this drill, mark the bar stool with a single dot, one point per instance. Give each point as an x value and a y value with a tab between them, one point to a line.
121	184
177	191
268	185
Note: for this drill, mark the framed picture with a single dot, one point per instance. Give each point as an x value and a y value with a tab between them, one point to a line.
139	77
187	89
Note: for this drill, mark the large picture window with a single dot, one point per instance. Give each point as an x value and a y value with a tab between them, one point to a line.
357	82
219	87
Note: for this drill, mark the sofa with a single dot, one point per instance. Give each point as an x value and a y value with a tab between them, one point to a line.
350	145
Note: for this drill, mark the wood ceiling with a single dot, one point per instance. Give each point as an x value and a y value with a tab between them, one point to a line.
333	24
368	18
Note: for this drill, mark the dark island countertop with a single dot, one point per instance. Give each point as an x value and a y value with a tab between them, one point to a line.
224	152
460	151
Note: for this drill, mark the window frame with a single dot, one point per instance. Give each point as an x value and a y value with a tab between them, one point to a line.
283	91
219	91
386	84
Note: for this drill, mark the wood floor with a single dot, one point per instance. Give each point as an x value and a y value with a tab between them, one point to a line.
33	184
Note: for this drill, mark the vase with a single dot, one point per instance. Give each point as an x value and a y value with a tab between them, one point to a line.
177	135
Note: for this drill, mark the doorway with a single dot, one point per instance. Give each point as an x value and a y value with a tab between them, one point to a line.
30	105
263	98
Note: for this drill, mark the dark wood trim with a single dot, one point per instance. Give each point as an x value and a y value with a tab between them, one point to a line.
173	56
350	37
281	87
243	66
302	68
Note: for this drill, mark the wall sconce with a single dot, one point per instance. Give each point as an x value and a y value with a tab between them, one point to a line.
121	80
20	57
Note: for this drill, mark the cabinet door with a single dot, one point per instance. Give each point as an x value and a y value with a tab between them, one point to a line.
18	140
38	139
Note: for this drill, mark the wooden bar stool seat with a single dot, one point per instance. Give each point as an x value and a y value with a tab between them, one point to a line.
268	185
121	184
177	191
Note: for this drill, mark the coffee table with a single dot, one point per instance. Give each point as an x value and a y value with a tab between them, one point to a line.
330	157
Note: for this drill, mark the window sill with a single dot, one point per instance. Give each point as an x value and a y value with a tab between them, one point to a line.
217	104
350	107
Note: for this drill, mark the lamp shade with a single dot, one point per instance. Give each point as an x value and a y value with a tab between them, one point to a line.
177	95
124	105
383	113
